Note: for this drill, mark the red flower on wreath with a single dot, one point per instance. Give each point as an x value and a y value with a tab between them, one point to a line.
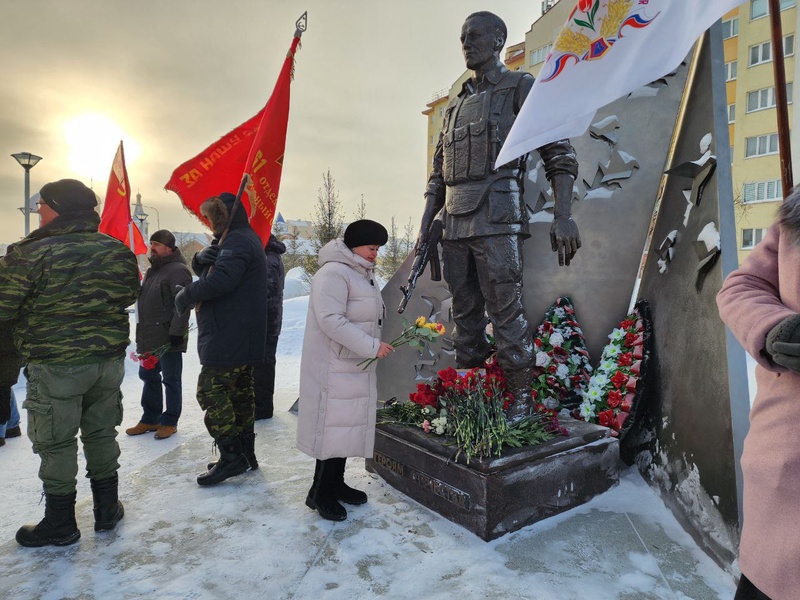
614	398
619	379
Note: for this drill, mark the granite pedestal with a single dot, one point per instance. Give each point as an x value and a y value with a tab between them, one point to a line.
497	495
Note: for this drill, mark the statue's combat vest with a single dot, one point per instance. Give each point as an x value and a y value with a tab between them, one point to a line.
474	130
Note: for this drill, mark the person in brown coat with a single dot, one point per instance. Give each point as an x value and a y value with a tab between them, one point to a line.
760	303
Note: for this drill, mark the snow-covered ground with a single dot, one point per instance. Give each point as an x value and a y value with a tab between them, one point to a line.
253	536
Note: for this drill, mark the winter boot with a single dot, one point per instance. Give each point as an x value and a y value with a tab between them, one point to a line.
519	384
231	462
322	496
249	448
108	509
344	492
58	528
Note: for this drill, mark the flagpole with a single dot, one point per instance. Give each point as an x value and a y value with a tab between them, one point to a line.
781	101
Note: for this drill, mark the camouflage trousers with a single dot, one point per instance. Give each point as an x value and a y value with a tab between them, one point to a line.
64	400
226	394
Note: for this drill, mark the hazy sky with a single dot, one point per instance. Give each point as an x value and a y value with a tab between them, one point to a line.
171	76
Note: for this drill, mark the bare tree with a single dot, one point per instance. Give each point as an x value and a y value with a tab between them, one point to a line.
361	210
393	254
294	256
328	223
408	237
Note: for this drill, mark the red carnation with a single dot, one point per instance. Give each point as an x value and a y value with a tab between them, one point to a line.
605	417
614	398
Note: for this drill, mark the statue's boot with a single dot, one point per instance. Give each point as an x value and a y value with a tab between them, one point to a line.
519	384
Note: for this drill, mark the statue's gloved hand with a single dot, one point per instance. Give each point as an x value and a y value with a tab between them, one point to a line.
783	343
564	239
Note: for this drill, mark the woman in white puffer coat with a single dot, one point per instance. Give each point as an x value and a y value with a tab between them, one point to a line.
338	396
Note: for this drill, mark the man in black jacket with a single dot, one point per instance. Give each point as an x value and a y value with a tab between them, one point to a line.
264	374
231	332
161	333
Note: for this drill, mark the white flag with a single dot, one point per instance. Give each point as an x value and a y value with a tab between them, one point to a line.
606	49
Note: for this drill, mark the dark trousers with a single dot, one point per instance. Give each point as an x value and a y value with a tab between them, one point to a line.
226	394
264	380
747	591
484	275
167	373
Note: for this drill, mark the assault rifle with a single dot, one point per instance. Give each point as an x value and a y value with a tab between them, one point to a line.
427	253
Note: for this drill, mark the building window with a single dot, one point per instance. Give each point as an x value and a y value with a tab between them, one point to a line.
765	98
761	145
731	154
751	237
540	54
730	28
760	8
730	70
731	113
760	53
762	191
788	45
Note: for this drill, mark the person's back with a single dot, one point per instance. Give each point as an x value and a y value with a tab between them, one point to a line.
67	287
80	283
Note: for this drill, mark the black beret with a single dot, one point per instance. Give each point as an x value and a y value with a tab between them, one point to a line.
164	237
68	195
365	233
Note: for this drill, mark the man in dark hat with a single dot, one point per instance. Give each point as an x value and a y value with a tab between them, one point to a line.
231	332
161	333
485	217
68	288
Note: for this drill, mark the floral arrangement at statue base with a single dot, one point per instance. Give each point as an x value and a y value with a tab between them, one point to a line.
466	408
617	386
561	370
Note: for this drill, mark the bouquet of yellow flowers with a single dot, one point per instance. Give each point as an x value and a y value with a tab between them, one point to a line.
415	334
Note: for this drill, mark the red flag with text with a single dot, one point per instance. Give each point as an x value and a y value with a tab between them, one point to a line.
255	147
116	219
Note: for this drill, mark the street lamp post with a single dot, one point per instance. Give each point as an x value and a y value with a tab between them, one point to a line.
27	161
158	215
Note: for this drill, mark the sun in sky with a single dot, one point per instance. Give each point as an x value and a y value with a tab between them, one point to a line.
93	139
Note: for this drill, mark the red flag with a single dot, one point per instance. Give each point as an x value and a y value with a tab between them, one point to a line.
255	147
116	218
265	161
216	169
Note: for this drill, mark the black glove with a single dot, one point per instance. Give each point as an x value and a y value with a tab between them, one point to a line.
783	343
176	341
207	256
182	302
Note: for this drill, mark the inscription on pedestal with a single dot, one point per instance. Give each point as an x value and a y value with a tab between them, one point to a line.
428	483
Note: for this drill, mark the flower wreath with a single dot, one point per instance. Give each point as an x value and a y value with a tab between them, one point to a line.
613	396
561	365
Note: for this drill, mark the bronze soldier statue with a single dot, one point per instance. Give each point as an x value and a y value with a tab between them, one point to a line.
484	214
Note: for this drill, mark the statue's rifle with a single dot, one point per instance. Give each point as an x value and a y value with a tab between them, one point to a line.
428	252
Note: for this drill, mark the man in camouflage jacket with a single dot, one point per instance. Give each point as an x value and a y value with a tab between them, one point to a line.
67	287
